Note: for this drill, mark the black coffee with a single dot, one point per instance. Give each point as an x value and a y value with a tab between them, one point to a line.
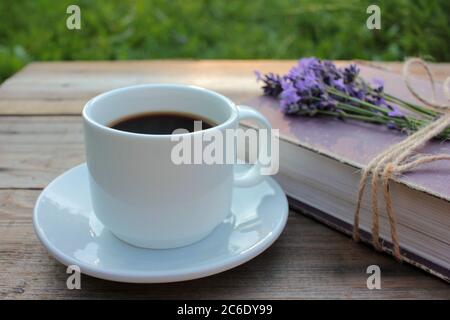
161	123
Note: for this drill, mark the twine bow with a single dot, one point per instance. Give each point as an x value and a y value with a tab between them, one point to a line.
400	158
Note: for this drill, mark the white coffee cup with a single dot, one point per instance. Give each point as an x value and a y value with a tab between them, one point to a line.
137	192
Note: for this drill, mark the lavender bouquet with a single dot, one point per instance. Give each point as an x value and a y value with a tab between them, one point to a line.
316	87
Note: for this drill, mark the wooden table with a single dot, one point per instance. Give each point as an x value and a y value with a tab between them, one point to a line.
41	137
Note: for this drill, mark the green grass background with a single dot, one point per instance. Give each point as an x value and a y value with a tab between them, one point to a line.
211	29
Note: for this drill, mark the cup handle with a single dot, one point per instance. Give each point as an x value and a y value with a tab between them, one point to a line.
253	175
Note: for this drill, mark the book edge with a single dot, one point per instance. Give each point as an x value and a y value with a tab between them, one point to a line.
358	166
366	238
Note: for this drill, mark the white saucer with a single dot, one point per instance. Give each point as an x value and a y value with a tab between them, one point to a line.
66	225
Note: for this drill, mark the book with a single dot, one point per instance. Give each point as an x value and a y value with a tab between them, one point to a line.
320	168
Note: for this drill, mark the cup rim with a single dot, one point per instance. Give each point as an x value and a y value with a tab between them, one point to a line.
89	105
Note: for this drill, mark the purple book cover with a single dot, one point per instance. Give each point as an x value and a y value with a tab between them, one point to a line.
356	143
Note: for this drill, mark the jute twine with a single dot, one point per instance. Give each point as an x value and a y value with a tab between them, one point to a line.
401	158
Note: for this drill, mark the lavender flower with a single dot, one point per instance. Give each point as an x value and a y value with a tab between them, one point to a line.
378	85
309	63
272	83
395	112
289	98
340	85
350	73
329	73
317	87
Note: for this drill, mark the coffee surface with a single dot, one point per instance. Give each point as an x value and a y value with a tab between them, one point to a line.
161	123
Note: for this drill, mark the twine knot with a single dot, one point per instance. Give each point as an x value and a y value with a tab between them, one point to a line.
400	158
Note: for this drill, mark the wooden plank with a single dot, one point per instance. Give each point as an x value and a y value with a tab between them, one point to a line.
34	150
64	87
308	261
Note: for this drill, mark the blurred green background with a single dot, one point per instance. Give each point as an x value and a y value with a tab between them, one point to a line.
212	29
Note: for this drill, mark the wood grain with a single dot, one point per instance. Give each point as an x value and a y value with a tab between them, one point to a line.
34	150
41	137
63	88
308	261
